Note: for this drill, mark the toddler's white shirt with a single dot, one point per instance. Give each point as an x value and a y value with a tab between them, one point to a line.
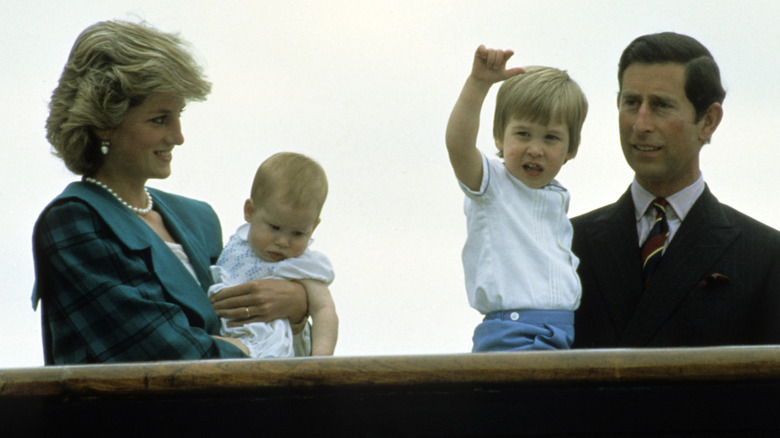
518	250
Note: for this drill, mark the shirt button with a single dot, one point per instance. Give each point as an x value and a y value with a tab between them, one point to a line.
514	316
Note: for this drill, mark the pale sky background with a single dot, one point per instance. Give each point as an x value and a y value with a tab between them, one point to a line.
366	87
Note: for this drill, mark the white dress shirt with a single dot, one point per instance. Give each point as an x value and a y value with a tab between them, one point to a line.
678	207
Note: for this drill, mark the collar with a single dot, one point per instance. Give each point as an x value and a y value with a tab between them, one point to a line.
555	185
681	202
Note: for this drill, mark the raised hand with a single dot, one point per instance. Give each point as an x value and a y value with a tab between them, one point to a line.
461	137
490	65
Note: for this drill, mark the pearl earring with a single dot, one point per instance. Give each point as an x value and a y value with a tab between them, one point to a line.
104	144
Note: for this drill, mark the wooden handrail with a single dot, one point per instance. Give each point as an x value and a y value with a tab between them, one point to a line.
732	391
216	376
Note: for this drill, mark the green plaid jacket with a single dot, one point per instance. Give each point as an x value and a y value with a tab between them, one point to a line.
112	290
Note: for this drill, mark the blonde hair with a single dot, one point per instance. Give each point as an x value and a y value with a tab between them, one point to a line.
112	67
293	177
543	95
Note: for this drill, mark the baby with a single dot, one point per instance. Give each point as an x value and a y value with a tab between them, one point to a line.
287	196
519	268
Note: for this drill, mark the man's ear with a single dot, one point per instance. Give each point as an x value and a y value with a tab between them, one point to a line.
249	209
710	121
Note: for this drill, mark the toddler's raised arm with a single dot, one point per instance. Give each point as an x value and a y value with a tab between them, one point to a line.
489	67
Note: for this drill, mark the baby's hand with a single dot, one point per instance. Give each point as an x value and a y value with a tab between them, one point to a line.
490	65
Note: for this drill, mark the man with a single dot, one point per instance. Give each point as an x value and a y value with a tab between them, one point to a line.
718	278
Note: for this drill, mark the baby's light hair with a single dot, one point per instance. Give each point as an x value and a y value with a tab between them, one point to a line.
542	95
293	178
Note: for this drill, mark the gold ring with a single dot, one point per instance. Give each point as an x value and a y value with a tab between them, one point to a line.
246	309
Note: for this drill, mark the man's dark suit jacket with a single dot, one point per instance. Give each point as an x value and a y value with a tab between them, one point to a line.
718	282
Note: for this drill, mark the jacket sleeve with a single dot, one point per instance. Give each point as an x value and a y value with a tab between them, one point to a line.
103	302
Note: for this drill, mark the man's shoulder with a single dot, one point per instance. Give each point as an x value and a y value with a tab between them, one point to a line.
709	209
608	212
594	215
749	224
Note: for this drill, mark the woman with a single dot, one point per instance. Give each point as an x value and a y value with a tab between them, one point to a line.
122	270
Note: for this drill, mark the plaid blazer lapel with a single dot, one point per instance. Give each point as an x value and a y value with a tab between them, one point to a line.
137	236
191	232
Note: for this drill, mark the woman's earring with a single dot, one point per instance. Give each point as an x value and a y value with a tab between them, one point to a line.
104	144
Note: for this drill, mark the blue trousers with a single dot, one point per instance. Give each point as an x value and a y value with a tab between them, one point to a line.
516	330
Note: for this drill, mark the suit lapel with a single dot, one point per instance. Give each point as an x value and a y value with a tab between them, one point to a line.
612	244
178	282
185	236
701	240
131	230
136	235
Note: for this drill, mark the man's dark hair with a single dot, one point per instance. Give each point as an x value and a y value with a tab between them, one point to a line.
702	76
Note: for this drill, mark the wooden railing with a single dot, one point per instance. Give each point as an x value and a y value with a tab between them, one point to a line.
707	391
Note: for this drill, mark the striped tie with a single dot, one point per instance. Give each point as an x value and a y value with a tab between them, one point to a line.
653	248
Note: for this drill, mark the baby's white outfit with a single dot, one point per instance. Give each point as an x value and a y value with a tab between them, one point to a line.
238	264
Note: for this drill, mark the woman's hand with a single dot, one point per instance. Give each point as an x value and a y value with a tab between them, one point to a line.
261	301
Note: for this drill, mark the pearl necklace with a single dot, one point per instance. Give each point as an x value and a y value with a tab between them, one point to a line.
136	210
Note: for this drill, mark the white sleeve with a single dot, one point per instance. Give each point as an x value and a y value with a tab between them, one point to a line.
309	265
485	180
220	277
